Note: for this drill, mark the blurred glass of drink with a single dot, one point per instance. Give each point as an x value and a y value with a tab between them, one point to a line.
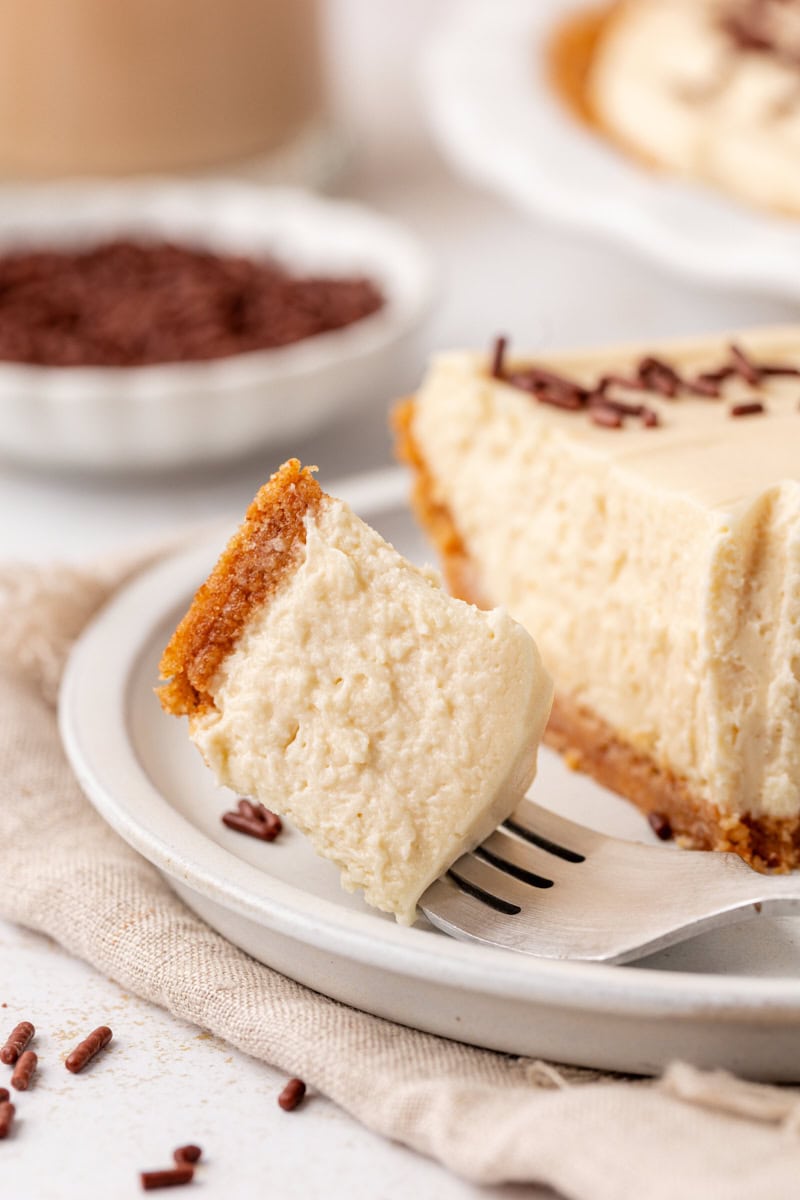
120	87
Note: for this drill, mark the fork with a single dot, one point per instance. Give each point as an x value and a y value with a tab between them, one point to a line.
547	887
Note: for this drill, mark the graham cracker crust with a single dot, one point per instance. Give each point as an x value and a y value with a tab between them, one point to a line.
258	556
587	742
570	52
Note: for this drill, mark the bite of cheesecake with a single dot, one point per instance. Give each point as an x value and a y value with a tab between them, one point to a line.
638	508
328	678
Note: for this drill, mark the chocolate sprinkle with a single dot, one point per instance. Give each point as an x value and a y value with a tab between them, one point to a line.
742	365
658	376
86	1050
16	1042
549	388
498	357
747	410
187	1154
660	825
607	417
7	1111
652	374
255	820
172	1177
24	1070
292	1095
747	25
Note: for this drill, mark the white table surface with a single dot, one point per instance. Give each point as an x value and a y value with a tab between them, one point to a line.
165	1082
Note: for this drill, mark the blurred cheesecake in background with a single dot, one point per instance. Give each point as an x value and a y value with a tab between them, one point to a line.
709	89
92	87
638	511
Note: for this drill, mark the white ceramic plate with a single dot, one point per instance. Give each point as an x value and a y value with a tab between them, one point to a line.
497	118
183	414
730	998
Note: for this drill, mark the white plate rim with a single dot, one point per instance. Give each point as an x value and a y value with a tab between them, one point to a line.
495	114
93	707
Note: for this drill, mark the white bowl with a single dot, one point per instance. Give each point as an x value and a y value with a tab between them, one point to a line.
177	414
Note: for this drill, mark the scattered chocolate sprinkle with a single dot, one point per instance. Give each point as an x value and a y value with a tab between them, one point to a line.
549	388
292	1094
4	1095
17	1041
23	1071
603	414
742	365
648	415
718	376
658	376
498	358
660	826
707	383
746	410
171	1177
248	809
777	369
85	1051
7	1111
255	820
599	399
187	1154
625	381
125	303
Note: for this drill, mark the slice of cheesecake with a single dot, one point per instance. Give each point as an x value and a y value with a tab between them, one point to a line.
705	88
639	509
330	679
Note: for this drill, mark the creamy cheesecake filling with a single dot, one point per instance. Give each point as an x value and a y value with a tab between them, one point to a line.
658	568
670	81
395	726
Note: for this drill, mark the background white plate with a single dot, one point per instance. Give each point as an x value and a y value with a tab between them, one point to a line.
497	118
183	414
730	998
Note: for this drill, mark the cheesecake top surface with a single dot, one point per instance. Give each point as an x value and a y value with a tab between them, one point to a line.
699	447
260	554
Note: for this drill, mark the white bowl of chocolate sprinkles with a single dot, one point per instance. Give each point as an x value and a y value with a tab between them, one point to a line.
160	325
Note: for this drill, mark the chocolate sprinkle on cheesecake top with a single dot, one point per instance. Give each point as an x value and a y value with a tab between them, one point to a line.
759	27
748	409
651	374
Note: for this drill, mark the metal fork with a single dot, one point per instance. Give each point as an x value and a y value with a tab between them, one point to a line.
545	886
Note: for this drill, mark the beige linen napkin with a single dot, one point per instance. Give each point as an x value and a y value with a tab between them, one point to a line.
487	1116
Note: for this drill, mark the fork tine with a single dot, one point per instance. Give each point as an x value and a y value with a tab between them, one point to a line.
524	856
469	918
492	882
548	826
458	913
